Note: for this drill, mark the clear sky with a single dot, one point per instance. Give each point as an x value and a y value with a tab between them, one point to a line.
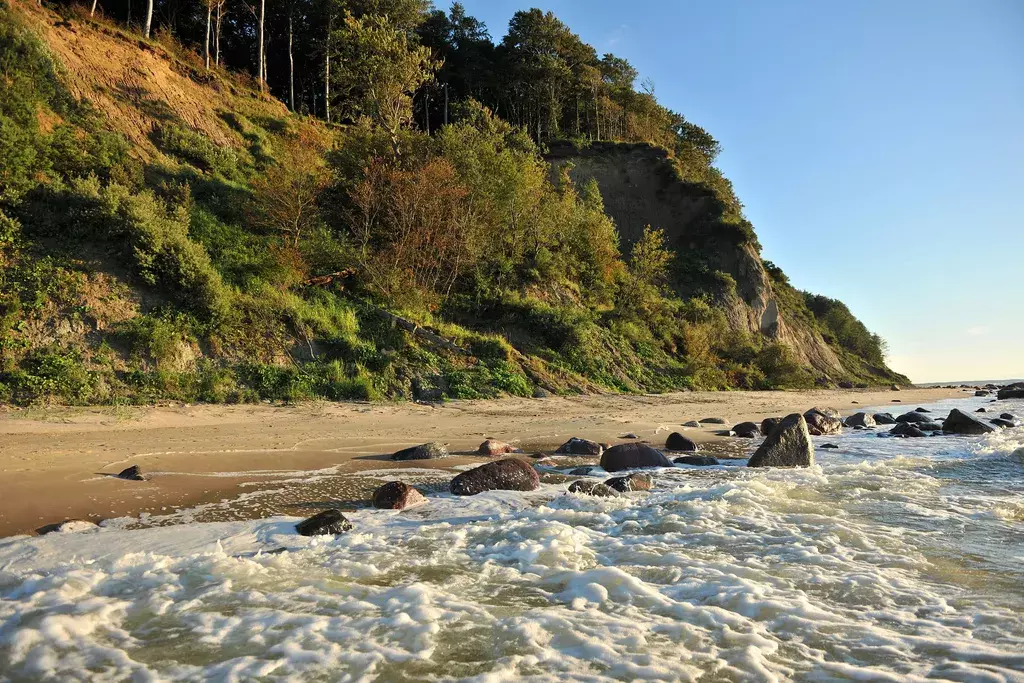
878	146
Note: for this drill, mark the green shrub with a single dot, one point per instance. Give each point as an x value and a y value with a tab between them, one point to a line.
195	148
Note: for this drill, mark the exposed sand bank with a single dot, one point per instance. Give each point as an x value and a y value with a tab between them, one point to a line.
54	464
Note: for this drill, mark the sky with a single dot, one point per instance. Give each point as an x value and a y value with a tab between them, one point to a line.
877	146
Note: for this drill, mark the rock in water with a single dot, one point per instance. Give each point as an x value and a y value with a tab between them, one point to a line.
1000	422
593	488
509	474
860	420
580	472
699	460
678	442
884	419
74	526
1007	416
396	495
789	445
713	421
747	430
929	426
921	410
494	447
578	446
830	446
630	456
132	473
823	421
906	429
960	422
768	424
631	482
427	451
913	417
324	523
1015	390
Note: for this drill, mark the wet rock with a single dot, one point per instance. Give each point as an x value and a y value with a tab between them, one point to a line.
492	447
822	421
692	423
509	474
895	400
929	426
698	460
1000	422
768	424
629	435
725	432
981	410
1015	390
860	420
913	417
713	421
747	430
1007	416
789	445
324	523
884	419
132	473
580	472
921	410
593	488
426	451
629	456
396	495
578	446
846	385
678	442
631	482
960	422
982	392
906	429
830	446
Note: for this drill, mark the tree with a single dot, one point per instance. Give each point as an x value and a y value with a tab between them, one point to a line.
286	197
149	18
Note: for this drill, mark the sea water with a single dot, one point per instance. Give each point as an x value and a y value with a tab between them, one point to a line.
890	560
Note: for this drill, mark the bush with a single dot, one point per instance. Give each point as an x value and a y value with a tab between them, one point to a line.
195	148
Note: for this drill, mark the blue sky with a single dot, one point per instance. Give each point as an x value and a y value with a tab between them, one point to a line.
878	147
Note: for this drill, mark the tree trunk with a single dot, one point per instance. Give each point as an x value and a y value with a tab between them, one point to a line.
260	63
216	35
426	110
446	104
327	71
291	66
93	12
149	18
206	45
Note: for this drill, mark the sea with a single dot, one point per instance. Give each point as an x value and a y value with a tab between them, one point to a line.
889	560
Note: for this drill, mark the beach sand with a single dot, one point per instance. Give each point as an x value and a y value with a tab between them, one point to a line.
56	464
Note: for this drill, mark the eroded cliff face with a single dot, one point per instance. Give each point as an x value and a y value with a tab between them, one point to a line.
640	187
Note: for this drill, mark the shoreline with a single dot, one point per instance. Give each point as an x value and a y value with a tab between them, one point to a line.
56	464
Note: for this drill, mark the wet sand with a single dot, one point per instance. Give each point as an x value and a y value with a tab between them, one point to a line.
57	464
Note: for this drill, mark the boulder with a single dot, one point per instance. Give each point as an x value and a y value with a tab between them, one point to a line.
426	451
578	446
629	456
579	472
713	421
725	432
789	445
820	422
906	429
492	447
698	460
593	488
747	430
981	410
1007	416
324	523
830	446
508	474
768	424
691	423
846	385
1000	422
629	435
631	482
884	419
132	473
913	417
895	387
1015	390
960	422
921	410
982	392
540	392
860	420
929	426
678	442
396	495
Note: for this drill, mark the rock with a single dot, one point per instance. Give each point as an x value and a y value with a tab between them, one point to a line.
631	482
960	422
921	410
580	472
492	447
578	446
981	410
540	392
829	446
884	419
789	445
982	392
929	426
846	385
509	474
1007	416
324	523
913	417
629	456
895	400
678	442
860	420
820	422
698	460
747	430
1015	390
725	432
593	488
427	451
895	387
1000	422
396	495
768	424
906	429
132	473
713	421
691	423
629	435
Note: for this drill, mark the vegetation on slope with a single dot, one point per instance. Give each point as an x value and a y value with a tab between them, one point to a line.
228	250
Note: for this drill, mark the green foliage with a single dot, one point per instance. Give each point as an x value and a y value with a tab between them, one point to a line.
839	326
195	148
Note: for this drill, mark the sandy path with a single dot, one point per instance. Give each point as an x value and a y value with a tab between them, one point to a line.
54	464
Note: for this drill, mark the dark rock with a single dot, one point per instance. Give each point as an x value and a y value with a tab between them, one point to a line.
578	446
960	422
132	473
846	385
789	445
492	447
725	432
396	495
580	472
929	426
509	474
768	424
822	421
631	482
699	460
913	417
895	400
982	392
713	421
678	442
747	430
884	419
691	423
629	435
829	446
427	451
540	392
1007	416
1015	390
593	488
860	420
981	410
906	429
324	523
1000	422
921	410
629	456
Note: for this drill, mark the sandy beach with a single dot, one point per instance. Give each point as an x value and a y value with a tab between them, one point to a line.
55	464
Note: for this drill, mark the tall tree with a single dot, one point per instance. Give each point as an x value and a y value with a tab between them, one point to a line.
149	17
